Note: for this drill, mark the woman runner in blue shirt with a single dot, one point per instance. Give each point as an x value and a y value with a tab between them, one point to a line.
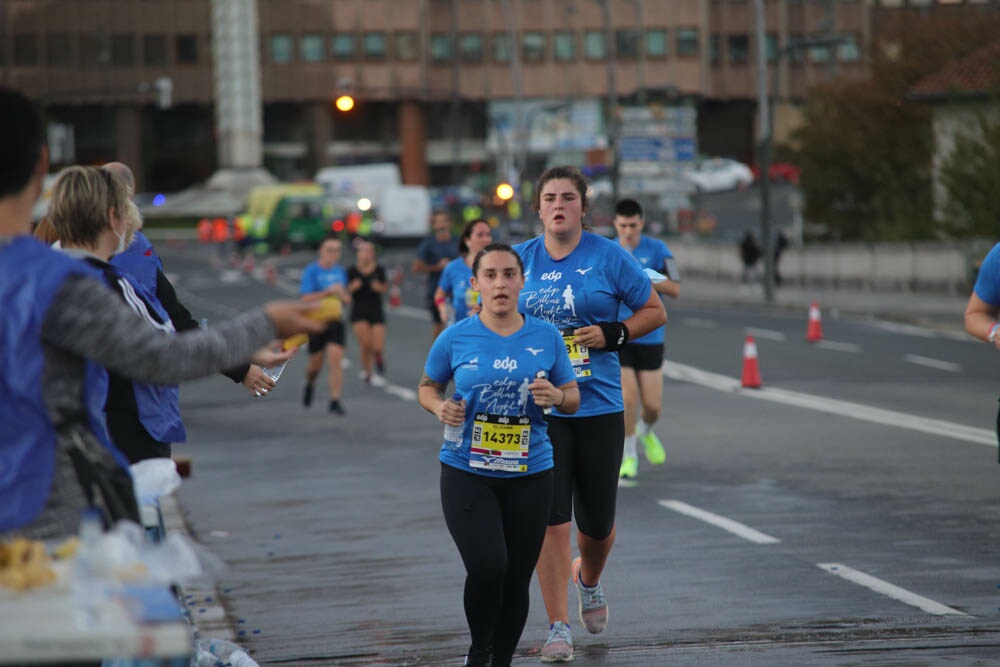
454	290
577	281
496	487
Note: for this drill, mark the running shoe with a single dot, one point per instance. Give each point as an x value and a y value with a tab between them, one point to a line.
654	448
307	395
593	603
559	645
378	381
336	408
630	468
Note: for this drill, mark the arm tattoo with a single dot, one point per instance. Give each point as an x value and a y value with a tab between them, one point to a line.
427	382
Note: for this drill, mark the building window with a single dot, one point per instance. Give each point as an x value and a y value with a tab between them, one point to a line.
794	53
123	49
848	50
154	50
771	47
25	50
407	46
595	46
282	49
442	48
312	48
738	47
687	42
564	46
57	49
714	50
187	49
470	47
501	48
533	47
342	46
656	43
374	46
91	53
627	43
820	54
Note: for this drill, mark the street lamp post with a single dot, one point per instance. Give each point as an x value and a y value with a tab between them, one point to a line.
612	97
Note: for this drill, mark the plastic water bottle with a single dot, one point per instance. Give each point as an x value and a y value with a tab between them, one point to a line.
89	588
275	372
241	659
220	648
542	375
453	434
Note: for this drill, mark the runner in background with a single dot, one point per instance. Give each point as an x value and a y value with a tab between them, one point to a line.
433	254
642	358
367	284
496	484
325	279
454	296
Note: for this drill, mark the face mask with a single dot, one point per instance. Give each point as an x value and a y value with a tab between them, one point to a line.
121	241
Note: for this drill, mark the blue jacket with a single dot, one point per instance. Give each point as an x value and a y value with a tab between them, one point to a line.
140	261
30	276
158	405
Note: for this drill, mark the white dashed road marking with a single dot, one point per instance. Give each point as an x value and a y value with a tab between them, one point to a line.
768	334
932	363
734	527
890	590
838	347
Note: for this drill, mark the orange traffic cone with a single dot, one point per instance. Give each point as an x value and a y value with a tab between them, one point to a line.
395	297
751	369
271	274
248	264
814	331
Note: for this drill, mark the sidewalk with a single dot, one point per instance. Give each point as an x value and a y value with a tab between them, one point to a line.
937	310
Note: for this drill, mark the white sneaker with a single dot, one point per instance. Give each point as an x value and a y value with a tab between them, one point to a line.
378	381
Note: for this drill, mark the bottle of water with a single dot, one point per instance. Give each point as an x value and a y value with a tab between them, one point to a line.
89	589
220	648
241	659
453	434
542	375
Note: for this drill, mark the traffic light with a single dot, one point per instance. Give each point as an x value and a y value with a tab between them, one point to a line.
505	191
345	95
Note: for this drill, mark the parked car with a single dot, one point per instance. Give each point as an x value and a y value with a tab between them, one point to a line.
780	171
719	174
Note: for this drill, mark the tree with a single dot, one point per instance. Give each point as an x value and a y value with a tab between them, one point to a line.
971	178
865	147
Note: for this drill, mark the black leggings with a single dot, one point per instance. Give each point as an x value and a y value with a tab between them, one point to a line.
498	525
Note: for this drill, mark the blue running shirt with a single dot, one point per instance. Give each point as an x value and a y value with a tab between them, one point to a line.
316	279
652	254
455	283
583	288
492	373
987	285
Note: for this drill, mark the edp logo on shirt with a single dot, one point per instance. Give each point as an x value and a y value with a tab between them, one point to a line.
552	275
505	364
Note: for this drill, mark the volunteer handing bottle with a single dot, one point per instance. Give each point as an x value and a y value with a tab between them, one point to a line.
499	481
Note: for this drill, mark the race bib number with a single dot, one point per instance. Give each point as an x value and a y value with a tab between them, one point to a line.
579	355
500	442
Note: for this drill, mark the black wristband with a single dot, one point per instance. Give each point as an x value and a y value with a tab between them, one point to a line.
615	335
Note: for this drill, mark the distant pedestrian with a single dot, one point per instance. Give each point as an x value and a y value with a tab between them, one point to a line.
454	296
642	358
367	284
984	306
496	486
749	255
780	244
433	254
326	280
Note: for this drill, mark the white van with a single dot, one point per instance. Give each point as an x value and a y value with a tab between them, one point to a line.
362	180
403	212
